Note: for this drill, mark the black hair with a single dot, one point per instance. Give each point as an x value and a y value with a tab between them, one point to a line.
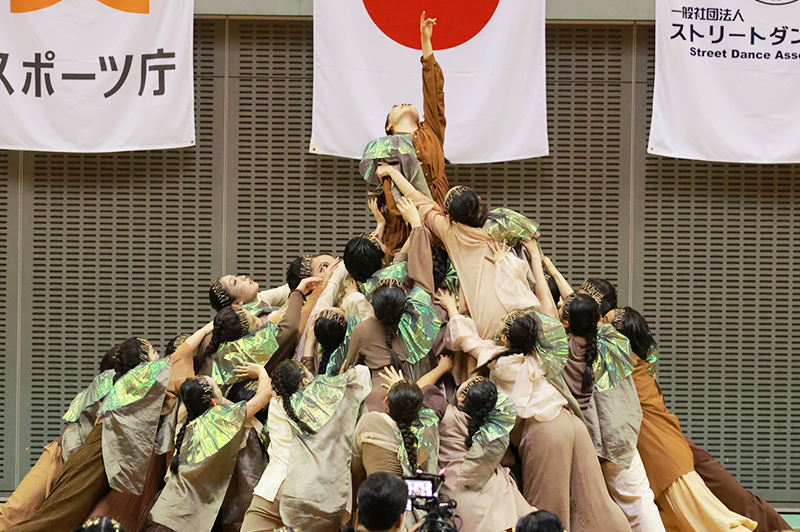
107	362
294	273
541	521
174	343
466	208
389	305
441	264
609	300
227	328
552	285
523	337
330	335
99	524
244	393
636	329
286	379
195	397
128	355
404	401
386	125
479	400
381	501
583	317
219	297
362	258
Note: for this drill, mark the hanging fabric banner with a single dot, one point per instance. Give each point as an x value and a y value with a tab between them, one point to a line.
727	80
492	53
96	75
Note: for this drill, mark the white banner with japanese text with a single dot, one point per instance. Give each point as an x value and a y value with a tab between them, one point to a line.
491	52
96	75
727	81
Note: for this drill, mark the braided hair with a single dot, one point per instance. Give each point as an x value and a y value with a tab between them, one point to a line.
128	355
197	395
330	329
287	378
441	264
389	305
522	332
99	524
230	324
583	313
480	398
404	401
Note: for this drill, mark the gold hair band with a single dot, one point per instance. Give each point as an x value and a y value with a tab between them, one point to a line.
334	316
619	318
510	319
452	193
590	288
224	298
305	266
567	302
472	382
245	324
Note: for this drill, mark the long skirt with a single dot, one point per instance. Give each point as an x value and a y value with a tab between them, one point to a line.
263	515
561	474
733	495
34	488
81	484
687	505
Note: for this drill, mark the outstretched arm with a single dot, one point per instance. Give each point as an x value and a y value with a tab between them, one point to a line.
426	32
542	290
264	391
563	286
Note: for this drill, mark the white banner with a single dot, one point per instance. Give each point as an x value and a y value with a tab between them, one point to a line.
727	81
492	53
96	75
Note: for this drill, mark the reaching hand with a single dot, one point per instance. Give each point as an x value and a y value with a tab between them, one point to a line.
385	170
446	363
548	265
533	250
308	284
351	287
329	271
409	211
447	301
426	27
376	211
251	370
392	376
498	250
215	388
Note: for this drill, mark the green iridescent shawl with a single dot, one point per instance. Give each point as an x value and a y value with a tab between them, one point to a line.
426	432
257	347
451	281
510	226
256	308
488	445
96	391
396	270
134	385
340	354
613	362
419	325
316	402
393	149
212	431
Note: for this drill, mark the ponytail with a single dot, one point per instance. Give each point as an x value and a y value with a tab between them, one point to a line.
286	379
329	329
389	304
196	395
582	314
404	401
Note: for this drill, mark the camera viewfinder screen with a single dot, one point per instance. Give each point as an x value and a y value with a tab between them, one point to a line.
418	488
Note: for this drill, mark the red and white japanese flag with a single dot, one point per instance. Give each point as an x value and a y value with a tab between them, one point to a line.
727	84
96	75
492	53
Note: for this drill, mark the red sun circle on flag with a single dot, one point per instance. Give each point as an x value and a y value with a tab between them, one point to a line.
457	21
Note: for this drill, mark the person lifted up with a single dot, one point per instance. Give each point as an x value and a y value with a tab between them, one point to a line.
407	135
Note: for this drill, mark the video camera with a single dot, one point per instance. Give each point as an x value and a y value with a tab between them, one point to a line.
423	494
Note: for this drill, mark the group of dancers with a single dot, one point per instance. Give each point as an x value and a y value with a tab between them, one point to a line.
443	340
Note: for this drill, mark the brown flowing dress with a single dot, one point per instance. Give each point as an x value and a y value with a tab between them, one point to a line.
428	141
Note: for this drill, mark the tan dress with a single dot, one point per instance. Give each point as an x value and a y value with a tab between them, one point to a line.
498	505
34	488
469	252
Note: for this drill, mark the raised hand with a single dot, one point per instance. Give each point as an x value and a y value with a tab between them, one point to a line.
426	27
498	250
409	211
392	376
308	284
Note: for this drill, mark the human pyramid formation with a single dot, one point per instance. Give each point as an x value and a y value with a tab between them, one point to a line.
444	343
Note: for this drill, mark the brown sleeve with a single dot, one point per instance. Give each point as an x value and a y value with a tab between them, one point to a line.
433	96
432	398
354	348
288	328
420	261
